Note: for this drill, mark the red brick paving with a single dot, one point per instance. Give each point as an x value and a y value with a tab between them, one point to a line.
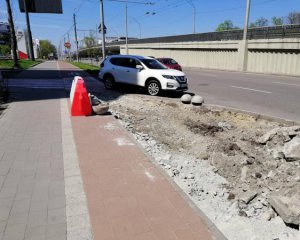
128	197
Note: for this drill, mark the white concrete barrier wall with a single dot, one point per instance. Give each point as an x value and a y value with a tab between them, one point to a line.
220	59
285	63
276	56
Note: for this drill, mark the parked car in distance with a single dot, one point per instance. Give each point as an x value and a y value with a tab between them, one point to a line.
141	71
170	63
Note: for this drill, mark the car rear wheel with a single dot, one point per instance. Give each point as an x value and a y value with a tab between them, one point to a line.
109	82
153	88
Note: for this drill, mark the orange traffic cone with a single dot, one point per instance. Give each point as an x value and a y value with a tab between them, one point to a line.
81	105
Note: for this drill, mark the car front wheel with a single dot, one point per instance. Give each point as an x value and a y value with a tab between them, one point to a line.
109	82
153	88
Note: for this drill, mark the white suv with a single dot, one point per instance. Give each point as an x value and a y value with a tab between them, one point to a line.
141	71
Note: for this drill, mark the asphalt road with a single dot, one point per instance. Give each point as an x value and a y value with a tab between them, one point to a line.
277	96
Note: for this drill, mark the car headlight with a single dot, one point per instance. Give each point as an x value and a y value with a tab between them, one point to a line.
169	77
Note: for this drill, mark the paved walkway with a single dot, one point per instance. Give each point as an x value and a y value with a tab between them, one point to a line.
81	177
32	195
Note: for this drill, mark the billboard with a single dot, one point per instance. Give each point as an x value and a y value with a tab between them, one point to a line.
41	6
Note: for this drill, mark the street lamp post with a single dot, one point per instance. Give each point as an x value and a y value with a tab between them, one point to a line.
102	29
245	41
194	14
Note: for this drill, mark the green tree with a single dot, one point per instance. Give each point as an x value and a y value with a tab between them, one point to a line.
89	42
226	25
5	50
261	22
277	21
293	18
46	48
12	34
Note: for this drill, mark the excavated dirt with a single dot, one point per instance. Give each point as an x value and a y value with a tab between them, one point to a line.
214	155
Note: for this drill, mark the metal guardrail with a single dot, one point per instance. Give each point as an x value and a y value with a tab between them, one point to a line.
287	31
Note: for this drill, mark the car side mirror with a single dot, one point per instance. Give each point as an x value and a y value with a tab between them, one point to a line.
139	67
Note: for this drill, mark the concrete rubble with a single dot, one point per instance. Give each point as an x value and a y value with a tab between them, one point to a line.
230	164
287	205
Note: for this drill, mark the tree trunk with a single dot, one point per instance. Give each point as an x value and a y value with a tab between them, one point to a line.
12	34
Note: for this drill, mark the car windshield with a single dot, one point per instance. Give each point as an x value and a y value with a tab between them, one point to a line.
169	61
153	64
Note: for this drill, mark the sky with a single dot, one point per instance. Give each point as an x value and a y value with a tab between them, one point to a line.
164	18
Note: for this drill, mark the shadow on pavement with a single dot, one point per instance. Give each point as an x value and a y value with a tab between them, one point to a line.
44	84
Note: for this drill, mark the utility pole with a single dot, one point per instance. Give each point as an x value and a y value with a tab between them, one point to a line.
65	48
102	29
194	14
31	53
126	17
69	48
126	24
76	41
245	41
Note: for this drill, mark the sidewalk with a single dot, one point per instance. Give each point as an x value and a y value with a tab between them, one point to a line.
84	178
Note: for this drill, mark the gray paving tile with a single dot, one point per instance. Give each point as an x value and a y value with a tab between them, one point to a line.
14	232
4	167
20	206
40	196
34	232
4	213
56	216
6	202
57	202
56	230
18	218
7	192
36	238
39	205
20	195
2	178
57	190
2	226
37	218
61	237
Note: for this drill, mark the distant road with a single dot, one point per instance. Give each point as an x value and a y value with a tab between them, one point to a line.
271	95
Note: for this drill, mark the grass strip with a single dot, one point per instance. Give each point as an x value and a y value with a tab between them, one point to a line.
91	69
24	64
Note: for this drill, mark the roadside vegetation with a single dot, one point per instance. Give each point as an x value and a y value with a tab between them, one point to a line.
291	18
93	70
23	64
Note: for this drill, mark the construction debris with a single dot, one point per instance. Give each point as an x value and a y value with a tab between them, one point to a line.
230	164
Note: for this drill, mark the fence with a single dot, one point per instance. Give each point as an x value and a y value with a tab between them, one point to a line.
288	31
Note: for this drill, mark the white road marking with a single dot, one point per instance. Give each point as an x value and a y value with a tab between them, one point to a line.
251	89
123	142
111	127
290	84
150	176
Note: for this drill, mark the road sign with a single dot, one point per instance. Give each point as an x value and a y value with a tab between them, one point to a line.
41	6
100	30
67	44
